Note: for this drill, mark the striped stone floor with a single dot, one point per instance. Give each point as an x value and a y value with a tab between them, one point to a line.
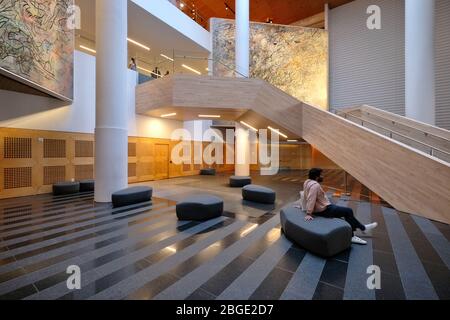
143	252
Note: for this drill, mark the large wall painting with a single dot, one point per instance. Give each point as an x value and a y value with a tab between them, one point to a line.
36	45
292	58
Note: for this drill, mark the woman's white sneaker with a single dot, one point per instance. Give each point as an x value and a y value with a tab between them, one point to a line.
370	226
358	240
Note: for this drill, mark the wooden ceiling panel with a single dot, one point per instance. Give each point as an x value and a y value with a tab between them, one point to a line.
280	11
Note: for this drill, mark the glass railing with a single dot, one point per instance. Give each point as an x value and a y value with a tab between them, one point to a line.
182	63
191	11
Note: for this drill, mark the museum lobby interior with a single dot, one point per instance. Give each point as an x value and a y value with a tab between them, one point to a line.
160	149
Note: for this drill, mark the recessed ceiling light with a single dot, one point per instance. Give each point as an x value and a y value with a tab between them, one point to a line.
249	126
88	49
208	116
292	141
168	115
168	58
181	5
191	69
277	131
138	44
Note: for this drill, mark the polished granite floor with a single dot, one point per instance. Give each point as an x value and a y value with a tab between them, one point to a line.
143	252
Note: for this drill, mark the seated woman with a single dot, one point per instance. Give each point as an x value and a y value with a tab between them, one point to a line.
317	203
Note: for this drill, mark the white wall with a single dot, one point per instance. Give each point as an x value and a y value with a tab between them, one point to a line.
367	66
33	112
197	129
443	64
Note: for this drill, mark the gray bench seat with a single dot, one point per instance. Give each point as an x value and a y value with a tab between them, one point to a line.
87	185
67	187
131	195
199	208
208	172
322	236
258	194
239	182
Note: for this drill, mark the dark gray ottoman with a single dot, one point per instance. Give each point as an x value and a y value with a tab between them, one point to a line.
131	195
208	172
258	194
68	187
239	182
87	185
322	236
200	208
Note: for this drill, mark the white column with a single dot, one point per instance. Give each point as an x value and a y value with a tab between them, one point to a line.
242	37
242	163
111	133
420	60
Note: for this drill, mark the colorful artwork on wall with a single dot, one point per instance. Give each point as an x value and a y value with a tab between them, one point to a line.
36	44
294	59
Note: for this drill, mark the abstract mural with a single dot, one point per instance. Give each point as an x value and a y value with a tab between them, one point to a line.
36	44
292	58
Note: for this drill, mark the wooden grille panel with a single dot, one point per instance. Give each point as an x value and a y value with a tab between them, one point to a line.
83	172
132	149
15	178
132	170
53	174
54	148
84	149
17	148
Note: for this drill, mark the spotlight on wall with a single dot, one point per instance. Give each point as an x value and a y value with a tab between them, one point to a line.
249	126
228	8
277	132
168	115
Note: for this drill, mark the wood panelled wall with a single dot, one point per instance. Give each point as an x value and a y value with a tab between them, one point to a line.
32	160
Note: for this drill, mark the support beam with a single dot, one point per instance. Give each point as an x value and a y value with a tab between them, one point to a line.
111	132
420	60
243	38
242	165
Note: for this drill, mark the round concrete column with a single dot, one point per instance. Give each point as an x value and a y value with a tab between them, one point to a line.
242	163
420	97
243	38
111	130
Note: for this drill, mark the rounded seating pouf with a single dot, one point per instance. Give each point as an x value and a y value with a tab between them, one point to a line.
258	194
67	187
200	208
131	195
208	172
325	237
87	185
239	182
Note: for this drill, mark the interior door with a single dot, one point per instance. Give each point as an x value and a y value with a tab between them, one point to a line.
161	161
